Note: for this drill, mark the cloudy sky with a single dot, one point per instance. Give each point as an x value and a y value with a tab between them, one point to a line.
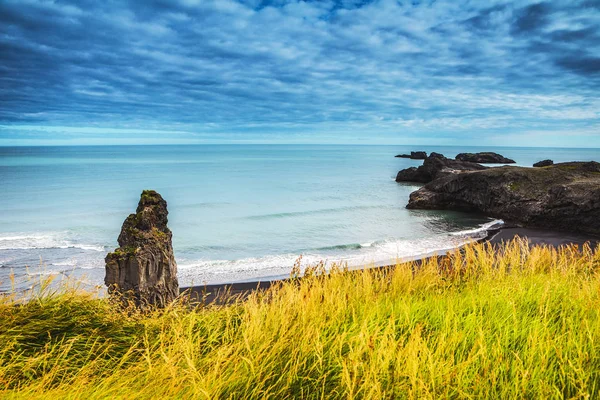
349	71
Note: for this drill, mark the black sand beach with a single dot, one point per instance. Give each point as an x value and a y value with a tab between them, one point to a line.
541	237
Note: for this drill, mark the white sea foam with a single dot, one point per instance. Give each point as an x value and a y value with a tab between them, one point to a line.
24	237
43	241
199	271
195	272
43	273
482	229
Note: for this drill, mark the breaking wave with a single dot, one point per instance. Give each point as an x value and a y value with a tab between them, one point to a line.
43	241
198	272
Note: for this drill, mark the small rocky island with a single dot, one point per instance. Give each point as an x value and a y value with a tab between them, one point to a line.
564	196
414	155
435	166
143	268
486	157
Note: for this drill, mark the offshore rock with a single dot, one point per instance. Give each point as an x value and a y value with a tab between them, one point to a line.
143	268
435	166
563	197
543	163
484	158
414	155
436	155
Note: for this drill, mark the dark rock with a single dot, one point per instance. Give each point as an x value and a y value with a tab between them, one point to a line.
543	163
484	158
143	268
414	155
418	155
563	197
436	155
434	166
411	174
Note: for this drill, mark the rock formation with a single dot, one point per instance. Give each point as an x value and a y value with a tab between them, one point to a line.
143	268
414	155
563	196
436	155
433	167
543	163
484	158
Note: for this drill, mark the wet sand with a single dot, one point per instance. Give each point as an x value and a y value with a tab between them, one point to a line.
539	236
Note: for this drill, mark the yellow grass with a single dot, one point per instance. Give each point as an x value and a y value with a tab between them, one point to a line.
481	323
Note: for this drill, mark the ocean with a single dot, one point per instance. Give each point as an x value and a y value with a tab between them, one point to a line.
237	212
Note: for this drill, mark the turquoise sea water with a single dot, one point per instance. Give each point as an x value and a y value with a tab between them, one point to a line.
237	212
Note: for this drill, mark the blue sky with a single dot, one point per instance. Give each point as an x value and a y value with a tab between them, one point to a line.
399	72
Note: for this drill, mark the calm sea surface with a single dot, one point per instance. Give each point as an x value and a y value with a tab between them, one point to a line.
237	212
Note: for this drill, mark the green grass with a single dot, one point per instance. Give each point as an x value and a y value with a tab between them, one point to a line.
513	323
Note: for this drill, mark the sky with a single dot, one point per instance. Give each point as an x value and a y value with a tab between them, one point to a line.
523	73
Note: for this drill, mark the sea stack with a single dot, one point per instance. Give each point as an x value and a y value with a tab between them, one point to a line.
143	268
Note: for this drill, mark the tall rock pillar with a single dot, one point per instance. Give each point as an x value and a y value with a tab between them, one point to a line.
143	268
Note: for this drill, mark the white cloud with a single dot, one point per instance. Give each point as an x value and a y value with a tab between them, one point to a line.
222	66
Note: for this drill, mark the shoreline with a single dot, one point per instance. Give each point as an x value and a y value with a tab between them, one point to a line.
222	293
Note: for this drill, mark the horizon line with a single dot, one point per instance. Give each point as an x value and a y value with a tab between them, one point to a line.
287	144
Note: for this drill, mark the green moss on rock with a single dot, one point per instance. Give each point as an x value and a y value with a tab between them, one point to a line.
150	197
123	252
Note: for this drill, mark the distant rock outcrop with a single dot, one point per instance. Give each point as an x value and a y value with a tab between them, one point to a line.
143	268
414	155
433	167
564	197
484	158
543	163
436	155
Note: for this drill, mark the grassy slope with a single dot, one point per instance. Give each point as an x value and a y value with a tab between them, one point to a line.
514	323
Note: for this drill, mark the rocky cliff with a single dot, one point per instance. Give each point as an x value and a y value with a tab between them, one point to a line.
143	268
563	196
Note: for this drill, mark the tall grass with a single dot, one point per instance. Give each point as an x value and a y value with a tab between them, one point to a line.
482	322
